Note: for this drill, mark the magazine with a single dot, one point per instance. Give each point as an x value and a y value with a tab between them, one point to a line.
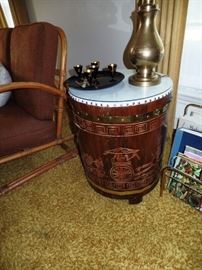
184	137
186	182
193	153
191	122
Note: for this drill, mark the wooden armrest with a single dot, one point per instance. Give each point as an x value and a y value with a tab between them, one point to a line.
31	86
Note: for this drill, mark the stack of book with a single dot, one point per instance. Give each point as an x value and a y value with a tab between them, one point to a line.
185	181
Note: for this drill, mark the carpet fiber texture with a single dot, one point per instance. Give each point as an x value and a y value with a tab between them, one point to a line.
58	222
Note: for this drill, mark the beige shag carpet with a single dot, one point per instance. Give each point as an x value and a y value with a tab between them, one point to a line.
58	222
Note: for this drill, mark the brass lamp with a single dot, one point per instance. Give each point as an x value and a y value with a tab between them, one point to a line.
146	49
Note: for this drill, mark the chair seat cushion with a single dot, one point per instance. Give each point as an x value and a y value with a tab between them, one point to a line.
21	130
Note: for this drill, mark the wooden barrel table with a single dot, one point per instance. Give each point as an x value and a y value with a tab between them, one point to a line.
120	133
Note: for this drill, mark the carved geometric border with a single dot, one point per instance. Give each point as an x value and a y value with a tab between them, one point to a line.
120	130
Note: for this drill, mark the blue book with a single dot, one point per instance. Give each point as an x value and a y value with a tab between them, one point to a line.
184	137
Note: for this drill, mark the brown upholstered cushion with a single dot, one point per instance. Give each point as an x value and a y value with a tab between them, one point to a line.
33	58
23	130
5	34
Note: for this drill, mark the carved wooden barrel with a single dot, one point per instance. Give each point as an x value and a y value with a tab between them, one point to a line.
121	132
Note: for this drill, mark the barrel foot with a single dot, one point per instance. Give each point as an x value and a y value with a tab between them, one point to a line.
135	200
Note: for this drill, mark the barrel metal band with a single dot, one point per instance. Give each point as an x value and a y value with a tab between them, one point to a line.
122	119
122	193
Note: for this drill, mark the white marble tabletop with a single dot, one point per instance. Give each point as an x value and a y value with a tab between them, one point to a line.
123	94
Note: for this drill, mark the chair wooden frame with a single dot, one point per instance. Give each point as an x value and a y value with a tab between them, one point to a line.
61	94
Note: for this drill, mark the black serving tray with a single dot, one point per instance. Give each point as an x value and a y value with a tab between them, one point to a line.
104	80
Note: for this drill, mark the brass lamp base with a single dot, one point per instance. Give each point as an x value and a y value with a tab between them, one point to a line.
139	81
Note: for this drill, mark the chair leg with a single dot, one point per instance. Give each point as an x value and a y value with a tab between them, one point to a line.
38	171
163	178
65	147
162	183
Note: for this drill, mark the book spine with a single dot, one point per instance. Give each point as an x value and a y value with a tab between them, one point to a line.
175	146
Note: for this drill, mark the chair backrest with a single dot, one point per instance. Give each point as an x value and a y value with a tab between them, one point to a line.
30	54
5	35
33	53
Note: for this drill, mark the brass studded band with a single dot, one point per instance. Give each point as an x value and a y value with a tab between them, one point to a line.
122	119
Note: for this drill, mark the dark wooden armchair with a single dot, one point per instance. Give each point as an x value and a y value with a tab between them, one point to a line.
32	119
